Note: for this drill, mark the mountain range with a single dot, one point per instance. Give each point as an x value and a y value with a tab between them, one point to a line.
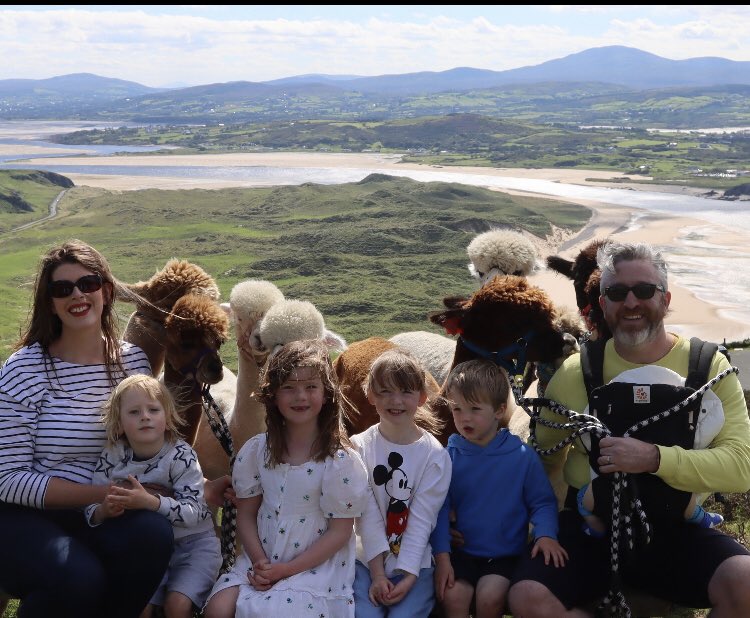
613	71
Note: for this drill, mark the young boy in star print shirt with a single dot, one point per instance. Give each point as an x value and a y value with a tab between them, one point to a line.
144	448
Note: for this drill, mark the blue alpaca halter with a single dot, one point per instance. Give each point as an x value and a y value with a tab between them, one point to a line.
515	350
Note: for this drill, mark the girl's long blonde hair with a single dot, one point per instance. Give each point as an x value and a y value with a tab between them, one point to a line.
397	369
331	434
112	408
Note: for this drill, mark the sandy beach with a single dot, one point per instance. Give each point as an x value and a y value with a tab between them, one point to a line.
689	315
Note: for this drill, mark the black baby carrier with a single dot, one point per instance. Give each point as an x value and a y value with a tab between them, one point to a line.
638	409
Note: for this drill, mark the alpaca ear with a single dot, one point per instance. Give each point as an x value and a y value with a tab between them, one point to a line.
227	309
334	341
560	265
450	320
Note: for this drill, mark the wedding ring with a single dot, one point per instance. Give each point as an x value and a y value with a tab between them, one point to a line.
609	459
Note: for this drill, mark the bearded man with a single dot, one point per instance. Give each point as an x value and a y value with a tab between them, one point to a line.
686	564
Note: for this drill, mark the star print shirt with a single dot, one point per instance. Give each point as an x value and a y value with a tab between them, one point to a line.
176	467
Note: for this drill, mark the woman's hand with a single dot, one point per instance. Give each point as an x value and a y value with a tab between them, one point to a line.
218	490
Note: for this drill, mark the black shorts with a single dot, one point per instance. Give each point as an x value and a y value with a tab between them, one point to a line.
676	566
473	568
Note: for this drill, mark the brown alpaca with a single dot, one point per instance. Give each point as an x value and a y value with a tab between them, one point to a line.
181	326
194	331
586	277
352	367
155	298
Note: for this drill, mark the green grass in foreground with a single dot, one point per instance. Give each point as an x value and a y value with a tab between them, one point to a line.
374	256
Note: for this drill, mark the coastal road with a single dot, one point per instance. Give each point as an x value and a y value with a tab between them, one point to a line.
741	360
51	215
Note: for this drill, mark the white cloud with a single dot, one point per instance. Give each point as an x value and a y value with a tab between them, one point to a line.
192	44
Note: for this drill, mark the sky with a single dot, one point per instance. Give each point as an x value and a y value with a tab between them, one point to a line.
183	45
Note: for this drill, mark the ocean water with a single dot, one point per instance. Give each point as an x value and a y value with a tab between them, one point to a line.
716	272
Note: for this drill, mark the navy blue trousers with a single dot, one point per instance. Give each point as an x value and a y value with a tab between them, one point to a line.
60	566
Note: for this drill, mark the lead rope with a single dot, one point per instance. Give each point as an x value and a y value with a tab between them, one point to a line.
218	425
614	602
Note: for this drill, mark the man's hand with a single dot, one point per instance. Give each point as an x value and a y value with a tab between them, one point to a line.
627	455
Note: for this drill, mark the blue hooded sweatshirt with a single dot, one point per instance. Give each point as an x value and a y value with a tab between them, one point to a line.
495	491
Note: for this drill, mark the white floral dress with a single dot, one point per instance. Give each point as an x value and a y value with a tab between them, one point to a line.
297	503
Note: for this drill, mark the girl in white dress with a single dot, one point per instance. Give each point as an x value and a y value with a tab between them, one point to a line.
299	487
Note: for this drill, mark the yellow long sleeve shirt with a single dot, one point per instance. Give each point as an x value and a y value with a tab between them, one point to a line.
724	466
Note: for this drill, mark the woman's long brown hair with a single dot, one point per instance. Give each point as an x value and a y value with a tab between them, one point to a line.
44	326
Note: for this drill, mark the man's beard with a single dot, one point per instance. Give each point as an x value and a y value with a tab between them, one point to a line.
634	338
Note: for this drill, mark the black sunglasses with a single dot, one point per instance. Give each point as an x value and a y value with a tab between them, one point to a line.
64	288
642	291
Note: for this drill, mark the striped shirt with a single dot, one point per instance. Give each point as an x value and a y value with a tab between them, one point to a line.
50	420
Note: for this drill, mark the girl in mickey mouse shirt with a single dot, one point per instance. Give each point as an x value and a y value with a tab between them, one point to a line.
409	472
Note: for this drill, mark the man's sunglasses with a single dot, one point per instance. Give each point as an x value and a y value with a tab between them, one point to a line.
642	291
64	288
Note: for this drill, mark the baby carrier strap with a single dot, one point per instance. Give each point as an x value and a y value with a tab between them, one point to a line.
701	355
699	363
592	364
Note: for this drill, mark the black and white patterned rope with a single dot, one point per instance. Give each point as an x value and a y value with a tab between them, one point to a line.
229	512
614	603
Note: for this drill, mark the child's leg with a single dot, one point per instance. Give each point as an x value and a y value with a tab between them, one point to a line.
147	612
223	604
177	605
491	596
594	526
457	600
696	514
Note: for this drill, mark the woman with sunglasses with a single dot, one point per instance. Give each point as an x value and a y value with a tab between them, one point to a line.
52	388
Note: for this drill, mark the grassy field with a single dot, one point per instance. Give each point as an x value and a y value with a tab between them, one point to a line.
374	256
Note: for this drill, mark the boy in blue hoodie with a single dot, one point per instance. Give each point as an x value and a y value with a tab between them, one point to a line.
498	487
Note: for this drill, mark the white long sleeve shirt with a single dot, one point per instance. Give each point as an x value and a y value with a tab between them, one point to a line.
409	484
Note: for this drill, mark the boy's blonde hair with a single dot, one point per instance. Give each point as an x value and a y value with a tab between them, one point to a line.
154	389
399	370
478	381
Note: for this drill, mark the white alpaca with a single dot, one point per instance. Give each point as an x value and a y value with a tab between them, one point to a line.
245	417
292	320
501	252
434	351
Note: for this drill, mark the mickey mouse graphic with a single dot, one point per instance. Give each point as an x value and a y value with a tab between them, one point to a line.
397	487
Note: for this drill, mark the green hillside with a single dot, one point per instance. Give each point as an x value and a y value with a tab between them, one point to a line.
374	256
